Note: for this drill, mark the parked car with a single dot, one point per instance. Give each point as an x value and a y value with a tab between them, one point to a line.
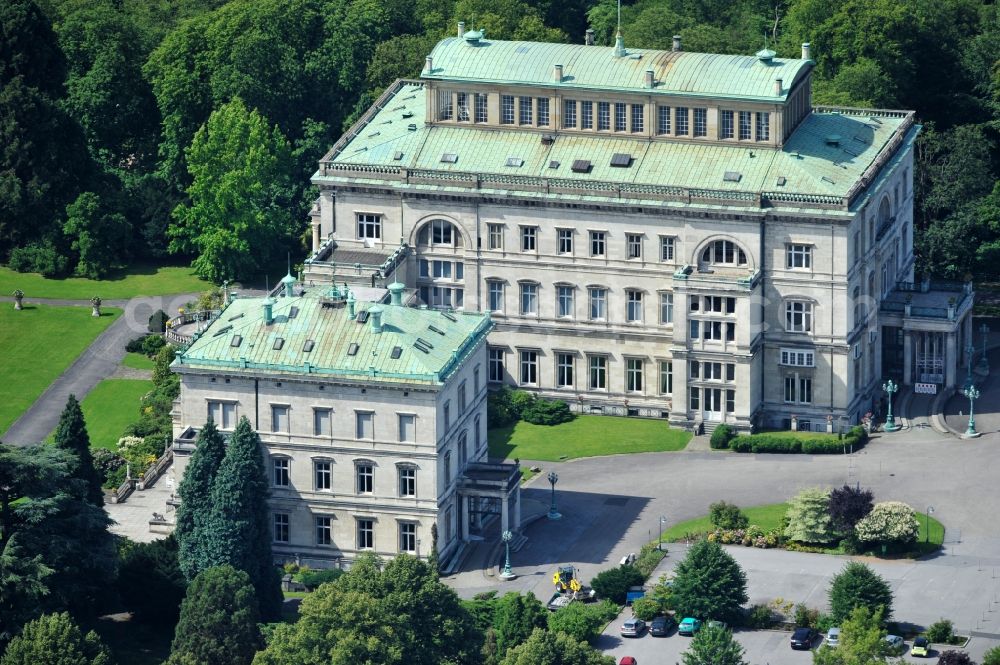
803	638
628	660
895	643
712	623
921	647
633	627
833	637
689	626
661	626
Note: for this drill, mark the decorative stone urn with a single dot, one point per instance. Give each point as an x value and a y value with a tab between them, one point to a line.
95	306
18	297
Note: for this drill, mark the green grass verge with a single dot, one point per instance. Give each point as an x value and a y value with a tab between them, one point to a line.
766	517
39	342
134	642
585	436
110	407
138	361
136	280
526	474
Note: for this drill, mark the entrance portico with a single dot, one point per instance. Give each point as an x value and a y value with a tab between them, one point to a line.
490	489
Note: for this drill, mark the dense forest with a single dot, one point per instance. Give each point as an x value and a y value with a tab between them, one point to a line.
135	129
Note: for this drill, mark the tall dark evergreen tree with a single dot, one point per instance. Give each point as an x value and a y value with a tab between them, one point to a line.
196	501
238	527
71	436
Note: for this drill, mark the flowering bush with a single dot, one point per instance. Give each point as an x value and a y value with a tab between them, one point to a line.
888	522
752	536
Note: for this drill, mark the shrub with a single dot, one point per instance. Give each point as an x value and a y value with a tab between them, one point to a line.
645	608
848	506
157	322
992	657
760	617
614	583
721	437
888	522
809	517
520	400
649	557
581	621
500	411
783	442
152	344
805	617
107	462
545	412
42	258
725	515
311	579
955	658
941	631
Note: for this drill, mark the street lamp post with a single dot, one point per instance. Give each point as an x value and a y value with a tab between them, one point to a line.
890	387
659	538
553	479
507	574
973	394
927	515
971	351
985	330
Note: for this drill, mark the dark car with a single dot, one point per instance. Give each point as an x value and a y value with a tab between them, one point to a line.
661	626
803	638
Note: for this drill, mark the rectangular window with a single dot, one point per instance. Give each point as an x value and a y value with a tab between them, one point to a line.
282	526
564	301
726	128
694	328
495	238
681	121
564	370
633	306
565	240
463	107
482	112
666	308
282	469
407	481
524	110
586	115
496	365
694	369
796	358
638	121
529	368
598	304
543	111
745	125
529	299
633	244
407	537
369	226
597	243
621	116
667	245
322	422
730	401
730	372
506	109
805	390
662	120
442	269
598	372
529	238
798	316
279	418
763	126
365	425
323	475
666	377
694	401
495	295
603	116
223	414
445	109
633	375
569	114
798	256
462	400
365	473
366	534
701	122
324	530
407	428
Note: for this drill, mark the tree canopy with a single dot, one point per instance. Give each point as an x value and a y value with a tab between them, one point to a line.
709	584
714	645
857	585
54	639
554	649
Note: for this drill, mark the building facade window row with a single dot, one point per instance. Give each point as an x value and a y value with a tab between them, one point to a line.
364	476
364	532
592	243
595	368
598	306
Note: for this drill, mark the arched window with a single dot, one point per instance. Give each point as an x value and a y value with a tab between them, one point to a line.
884	213
724	252
439	233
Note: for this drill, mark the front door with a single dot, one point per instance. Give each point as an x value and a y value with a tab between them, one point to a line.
713	404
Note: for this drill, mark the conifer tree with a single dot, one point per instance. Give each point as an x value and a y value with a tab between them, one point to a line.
71	435
238	528
196	501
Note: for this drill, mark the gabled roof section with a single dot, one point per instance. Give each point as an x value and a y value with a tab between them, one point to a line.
743	77
342	346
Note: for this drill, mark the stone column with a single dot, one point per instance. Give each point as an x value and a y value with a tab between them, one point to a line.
517	509
315	230
465	519
504	517
907	358
951	358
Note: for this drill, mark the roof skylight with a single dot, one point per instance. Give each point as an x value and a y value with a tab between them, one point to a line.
449	158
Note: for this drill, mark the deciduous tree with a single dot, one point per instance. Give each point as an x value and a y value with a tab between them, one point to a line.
857	585
848	505
862	641
709	584
714	645
54	639
889	522
554	649
515	617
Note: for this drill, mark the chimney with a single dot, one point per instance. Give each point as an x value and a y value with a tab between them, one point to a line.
777	87
396	294
557	73
649	78
268	311
588	37
289	283
461	29
806	51
429	64
677	43
376	314
351	314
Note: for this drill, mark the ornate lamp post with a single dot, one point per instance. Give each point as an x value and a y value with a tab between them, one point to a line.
507	574
890	387
971	351
973	394
659	538
553	513
985	330
927	535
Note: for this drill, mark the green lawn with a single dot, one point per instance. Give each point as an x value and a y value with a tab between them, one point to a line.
137	361
110	407
766	517
585	436
137	280
39	342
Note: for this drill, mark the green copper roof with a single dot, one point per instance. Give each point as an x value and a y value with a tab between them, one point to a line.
810	164
431	343
596	67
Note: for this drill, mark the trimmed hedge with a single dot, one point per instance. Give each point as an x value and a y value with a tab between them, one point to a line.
721	437
778	442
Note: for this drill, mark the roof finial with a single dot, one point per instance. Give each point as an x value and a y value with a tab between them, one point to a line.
619	42
765	54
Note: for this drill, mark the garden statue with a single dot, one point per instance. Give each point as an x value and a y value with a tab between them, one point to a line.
18	297
96	303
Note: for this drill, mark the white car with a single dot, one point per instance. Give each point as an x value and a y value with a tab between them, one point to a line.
833	637
895	643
